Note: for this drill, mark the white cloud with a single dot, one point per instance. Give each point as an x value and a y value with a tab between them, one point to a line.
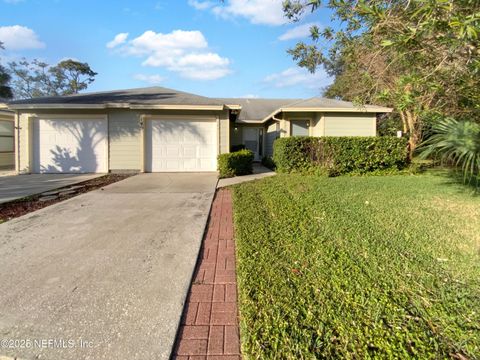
119	39
295	76
265	12
19	38
200	5
249	96
183	52
298	32
151	79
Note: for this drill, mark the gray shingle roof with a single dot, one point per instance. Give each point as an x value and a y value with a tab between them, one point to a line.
252	109
319	102
257	109
140	96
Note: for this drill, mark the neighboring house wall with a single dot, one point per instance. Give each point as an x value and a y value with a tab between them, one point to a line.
7	141
350	124
124	134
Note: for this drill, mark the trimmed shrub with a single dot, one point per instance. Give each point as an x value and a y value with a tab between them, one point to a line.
235	163
340	155
235	148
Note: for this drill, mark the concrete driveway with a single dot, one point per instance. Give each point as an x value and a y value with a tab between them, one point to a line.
19	186
103	275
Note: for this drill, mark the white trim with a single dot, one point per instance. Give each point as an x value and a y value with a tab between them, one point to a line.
178	107
17	143
178	117
143	125
369	109
69	116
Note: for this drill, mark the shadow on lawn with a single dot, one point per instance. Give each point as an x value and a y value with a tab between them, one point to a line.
455	178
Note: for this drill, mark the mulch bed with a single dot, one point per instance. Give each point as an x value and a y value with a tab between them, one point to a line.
19	207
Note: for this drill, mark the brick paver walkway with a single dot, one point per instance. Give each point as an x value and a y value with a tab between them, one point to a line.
209	328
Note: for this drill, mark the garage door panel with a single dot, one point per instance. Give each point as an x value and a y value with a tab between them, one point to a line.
70	146
181	145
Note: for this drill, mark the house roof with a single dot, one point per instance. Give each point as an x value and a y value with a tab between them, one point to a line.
251	110
151	97
256	109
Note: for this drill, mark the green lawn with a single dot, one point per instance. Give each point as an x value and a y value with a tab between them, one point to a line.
358	267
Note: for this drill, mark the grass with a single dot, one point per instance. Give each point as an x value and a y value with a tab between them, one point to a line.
358	267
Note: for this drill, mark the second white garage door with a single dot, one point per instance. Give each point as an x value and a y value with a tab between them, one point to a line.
181	145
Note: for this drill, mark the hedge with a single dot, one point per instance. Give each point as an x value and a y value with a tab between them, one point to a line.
235	163
340	155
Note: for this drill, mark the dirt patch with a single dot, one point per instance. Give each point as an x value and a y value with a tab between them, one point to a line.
19	207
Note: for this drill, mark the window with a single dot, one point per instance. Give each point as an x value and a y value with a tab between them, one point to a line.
300	127
7	142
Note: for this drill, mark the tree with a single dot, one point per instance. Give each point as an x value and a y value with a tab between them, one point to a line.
71	76
5	89
36	78
419	56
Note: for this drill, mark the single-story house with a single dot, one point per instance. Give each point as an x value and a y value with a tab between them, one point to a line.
163	130
7	138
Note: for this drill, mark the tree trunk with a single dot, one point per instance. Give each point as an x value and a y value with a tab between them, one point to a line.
415	132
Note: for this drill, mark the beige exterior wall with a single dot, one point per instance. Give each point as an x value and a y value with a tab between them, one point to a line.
224	124
125	134
23	144
125	147
333	124
350	124
317	125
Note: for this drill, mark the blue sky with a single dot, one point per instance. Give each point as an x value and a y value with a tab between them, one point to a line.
235	49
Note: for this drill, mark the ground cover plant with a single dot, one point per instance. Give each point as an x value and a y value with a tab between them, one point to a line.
358	267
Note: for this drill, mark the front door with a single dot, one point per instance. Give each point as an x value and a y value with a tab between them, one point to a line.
252	138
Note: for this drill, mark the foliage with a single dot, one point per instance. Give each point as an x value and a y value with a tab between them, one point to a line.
339	155
418	56
268	162
388	125
235	148
36	78
341	268
235	163
5	89
455	142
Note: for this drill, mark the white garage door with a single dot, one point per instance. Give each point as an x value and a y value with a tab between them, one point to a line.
181	145
70	146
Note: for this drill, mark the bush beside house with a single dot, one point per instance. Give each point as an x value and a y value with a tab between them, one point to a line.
235	163
340	155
